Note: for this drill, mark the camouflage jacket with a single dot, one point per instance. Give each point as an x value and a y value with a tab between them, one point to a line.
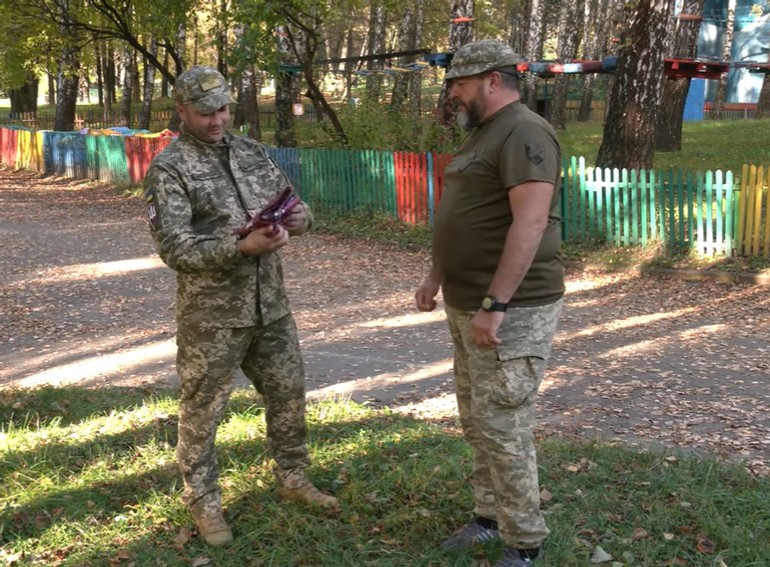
198	194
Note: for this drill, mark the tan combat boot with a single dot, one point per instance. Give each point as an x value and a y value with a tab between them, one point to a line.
294	486
211	524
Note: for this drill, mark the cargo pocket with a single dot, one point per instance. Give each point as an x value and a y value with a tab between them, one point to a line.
518	381
526	344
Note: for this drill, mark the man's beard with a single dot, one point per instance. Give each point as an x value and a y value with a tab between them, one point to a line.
469	117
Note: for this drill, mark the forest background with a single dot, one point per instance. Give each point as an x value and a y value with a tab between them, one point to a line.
368	52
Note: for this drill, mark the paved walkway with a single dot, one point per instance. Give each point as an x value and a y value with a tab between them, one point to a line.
85	302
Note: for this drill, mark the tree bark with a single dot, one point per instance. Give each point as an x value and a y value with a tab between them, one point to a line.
149	88
405	42
377	29
668	129
629	129
67	73
569	33
460	33
99	73
128	88
286	93
596	38
415	79
533	50
727	50
763	102
248	102
24	98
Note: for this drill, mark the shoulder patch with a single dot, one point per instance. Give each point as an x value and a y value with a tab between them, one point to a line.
152	208
535	153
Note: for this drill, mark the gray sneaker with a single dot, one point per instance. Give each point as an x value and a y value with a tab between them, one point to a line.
470	534
512	558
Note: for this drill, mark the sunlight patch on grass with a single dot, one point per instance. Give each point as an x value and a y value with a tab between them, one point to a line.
98	485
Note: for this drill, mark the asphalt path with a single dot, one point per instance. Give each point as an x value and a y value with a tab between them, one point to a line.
645	359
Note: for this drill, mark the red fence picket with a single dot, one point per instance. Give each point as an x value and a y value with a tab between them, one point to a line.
139	154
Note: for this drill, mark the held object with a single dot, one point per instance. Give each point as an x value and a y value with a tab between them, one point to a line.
274	213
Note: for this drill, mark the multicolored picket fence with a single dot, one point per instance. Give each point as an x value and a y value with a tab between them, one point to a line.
710	212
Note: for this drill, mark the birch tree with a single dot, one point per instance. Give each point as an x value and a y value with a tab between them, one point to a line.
143	120
376	46
569	38
668	129
460	33
629	128
596	38
533	49
727	50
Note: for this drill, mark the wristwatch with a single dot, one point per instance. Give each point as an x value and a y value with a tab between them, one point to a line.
490	304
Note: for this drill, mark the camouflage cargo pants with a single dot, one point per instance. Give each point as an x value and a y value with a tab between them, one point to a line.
206	363
496	397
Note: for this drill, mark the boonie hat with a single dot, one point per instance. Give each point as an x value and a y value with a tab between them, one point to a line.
481	56
203	87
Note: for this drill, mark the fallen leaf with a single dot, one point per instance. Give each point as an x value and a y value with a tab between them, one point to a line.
706	546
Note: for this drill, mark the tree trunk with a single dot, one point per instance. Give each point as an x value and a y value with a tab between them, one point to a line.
595	41
164	85
66	91
533	51
286	93
460	33
67	74
377	29
629	129
99	75
136	82
51	89
405	43
763	102
24	99
721	95
348	67
415	79
149	88
179	66
248	102
569	34
668	129
128	86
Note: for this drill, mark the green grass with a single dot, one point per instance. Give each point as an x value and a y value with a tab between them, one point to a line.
89	479
707	145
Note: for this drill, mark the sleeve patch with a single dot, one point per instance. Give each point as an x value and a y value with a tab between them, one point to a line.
152	209
535	153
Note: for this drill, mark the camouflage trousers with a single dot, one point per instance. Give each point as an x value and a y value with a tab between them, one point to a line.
207	360
496	398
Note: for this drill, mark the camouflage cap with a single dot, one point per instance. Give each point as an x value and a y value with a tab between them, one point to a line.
203	87
479	57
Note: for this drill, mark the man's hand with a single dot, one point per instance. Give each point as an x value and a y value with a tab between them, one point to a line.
484	327
296	219
264	239
425	296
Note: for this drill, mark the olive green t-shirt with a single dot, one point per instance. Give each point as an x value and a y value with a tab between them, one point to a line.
512	147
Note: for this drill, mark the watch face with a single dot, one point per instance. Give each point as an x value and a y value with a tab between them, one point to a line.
486	303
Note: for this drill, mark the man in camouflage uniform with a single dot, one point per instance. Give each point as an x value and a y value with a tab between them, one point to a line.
231	306
496	258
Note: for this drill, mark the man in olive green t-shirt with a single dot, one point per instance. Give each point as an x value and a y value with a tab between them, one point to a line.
497	261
